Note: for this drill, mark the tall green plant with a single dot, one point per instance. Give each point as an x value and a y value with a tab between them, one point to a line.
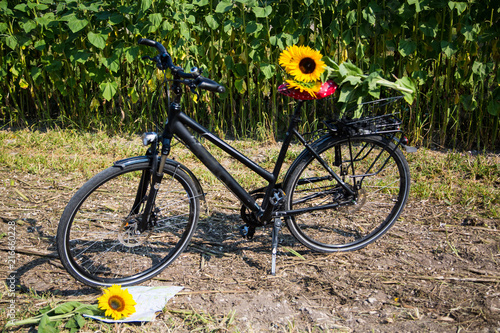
75	62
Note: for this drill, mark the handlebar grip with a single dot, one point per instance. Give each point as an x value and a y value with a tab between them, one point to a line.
147	42
207	84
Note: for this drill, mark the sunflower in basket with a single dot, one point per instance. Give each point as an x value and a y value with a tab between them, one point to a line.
314	76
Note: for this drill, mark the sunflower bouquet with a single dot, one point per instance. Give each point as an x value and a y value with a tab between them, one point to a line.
314	76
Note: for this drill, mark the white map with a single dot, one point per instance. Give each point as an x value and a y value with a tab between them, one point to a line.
149	301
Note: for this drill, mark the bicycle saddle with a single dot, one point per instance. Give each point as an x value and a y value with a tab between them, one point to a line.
327	88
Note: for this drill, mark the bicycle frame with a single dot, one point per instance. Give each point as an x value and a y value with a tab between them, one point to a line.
178	123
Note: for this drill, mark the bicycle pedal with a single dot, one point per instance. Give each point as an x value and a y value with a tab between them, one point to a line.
247	231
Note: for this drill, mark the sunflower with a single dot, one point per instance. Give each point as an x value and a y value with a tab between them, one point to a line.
310	87
117	302
303	63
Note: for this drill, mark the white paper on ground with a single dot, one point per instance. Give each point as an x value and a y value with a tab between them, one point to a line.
149	301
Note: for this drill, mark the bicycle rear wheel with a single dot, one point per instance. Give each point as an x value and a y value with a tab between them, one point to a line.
97	238
329	219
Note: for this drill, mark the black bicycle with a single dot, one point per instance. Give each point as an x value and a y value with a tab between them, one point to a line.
130	221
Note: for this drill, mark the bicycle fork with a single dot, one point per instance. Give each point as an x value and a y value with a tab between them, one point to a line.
153	176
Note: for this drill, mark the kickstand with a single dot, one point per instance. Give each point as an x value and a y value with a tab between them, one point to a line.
274	236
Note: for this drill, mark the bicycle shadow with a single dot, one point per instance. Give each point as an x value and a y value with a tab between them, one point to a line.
221	231
217	234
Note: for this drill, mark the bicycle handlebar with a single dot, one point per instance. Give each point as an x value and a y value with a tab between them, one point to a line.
164	61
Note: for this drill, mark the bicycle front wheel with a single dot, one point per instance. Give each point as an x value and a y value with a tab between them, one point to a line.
328	218
97	238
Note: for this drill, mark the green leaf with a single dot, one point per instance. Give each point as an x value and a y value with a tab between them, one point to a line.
35	74
347	68
459	6
448	48
346	94
79	56
76	25
155	20
353	80
240	85
28	26
46	19
115	18
54	66
23	83
360	50
112	63
494	104
75	323
21	7
131	53
224	7
406	82
347	37
72	323
468	102
145	4
97	74
268	70
11	41
369	15
134	96
420	77
429	27
108	89
97	40
201	3
89	309
46	326
185	31
253	27
493	108
470	32
416	3
212	22
262	11
479	68
351	17
407	47
66	307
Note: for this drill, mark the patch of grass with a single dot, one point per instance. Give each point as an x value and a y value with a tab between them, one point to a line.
472	181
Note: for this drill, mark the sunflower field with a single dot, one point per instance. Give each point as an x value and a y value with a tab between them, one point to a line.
76	63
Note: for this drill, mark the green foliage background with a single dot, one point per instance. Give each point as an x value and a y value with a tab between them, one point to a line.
76	63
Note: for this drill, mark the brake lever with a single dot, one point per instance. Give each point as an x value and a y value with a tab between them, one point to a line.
156	59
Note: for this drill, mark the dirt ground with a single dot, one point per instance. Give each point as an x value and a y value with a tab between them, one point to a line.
437	270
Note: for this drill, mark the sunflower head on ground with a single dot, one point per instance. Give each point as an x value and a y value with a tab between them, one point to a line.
303	63
117	302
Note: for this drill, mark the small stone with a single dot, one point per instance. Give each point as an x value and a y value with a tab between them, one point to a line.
372	300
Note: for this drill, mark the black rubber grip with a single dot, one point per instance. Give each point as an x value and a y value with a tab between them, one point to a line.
210	85
147	42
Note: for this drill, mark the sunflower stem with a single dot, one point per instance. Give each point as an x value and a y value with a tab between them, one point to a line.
36	319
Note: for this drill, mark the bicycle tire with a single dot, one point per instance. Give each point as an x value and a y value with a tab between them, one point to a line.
96	240
382	192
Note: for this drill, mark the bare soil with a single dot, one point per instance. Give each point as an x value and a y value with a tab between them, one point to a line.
437	270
